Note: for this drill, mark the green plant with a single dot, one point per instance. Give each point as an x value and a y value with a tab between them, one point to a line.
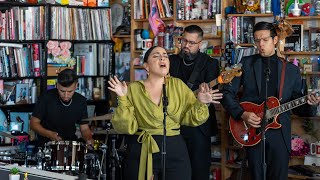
14	170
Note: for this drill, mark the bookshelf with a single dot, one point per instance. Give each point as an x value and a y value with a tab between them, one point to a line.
175	29
54	37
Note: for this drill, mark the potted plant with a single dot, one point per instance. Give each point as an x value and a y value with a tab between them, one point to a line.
14	174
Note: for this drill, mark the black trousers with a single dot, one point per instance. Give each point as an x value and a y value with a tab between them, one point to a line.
199	149
277	157
177	160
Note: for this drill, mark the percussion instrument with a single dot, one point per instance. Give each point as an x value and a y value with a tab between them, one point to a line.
65	155
91	165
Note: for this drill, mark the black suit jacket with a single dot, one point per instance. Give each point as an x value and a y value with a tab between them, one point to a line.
251	82
209	72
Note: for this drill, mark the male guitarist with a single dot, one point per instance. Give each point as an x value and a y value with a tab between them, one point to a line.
194	68
284	86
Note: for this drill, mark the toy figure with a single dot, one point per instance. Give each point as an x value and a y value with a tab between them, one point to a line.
307	9
252	6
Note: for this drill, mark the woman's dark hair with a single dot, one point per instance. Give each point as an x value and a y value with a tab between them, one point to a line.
265	26
67	77
147	54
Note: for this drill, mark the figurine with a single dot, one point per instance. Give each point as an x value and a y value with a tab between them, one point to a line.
307	9
252	6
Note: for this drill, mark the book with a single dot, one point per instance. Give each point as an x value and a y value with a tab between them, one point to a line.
22	93
295	41
122	64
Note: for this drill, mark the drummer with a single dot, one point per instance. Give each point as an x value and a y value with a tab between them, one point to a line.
57	112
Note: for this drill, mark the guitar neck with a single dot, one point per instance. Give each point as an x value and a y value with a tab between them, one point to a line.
286	107
211	84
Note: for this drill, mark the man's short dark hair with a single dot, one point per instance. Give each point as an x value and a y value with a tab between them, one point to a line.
265	26
67	77
194	29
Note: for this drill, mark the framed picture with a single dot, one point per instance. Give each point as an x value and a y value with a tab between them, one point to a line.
22	93
307	67
314	39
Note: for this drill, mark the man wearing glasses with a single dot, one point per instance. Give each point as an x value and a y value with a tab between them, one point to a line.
256	88
59	110
194	68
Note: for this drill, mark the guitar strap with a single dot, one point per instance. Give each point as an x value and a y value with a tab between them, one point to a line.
200	63
283	72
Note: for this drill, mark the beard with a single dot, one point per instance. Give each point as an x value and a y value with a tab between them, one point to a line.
187	55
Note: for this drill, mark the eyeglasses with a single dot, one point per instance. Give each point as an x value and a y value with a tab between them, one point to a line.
192	43
266	39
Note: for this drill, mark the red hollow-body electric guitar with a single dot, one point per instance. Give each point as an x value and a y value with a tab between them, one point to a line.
249	136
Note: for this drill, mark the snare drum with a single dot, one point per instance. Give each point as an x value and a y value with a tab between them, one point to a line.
66	155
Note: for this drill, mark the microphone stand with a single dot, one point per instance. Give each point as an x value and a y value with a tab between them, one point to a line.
165	105
265	120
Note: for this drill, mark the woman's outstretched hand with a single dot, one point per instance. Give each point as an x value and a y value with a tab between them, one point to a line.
120	88
206	95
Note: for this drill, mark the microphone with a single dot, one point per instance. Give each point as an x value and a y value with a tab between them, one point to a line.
164	98
267	68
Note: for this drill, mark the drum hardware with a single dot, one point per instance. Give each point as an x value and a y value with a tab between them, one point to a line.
115	161
99	118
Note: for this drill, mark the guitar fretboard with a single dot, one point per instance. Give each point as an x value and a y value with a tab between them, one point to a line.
286	107
213	83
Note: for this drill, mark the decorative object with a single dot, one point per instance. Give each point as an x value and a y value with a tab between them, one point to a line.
252	6
22	93
117	14
314	39
307	67
59	53
296	11
317	4
299	147
307	9
14	174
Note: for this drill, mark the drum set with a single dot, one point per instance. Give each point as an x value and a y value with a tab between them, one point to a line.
100	161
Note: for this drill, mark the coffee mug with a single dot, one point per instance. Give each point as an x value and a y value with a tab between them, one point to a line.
146	44
315	149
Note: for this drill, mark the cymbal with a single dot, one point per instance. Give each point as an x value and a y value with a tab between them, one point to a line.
99	118
7	135
111	131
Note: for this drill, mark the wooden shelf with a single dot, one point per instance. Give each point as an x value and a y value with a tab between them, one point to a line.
251	15
216	163
141	51
122	36
146	20
245	45
234	166
301	53
138	67
303	18
294	176
197	21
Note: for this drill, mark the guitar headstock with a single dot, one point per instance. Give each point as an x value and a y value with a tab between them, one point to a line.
228	75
